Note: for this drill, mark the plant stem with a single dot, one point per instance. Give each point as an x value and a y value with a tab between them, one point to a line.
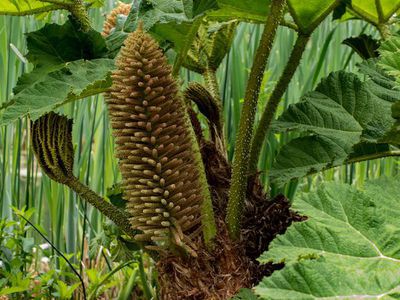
237	192
210	78
119	217
383	31
273	102
289	25
374	156
143	278
93	295
78	10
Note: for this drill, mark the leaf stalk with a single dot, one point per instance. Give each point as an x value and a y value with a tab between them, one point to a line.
119	217
275	98
237	192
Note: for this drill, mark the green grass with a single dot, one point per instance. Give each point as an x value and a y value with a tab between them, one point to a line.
70	223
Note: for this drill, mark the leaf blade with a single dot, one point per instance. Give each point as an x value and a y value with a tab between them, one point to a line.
349	245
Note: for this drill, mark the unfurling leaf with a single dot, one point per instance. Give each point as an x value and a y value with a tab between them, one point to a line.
51	137
365	46
206	104
213	41
163	180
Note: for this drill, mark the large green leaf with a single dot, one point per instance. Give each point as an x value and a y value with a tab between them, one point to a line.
369	9
342	120
69	65
390	62
308	14
244	10
26	7
175	23
349	247
172	23
390	57
56	44
75	80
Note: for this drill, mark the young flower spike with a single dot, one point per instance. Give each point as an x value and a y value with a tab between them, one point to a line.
163	177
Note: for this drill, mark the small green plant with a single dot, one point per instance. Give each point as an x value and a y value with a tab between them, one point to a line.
20	260
206	221
29	270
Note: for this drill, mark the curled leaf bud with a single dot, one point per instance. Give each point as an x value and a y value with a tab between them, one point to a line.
51	137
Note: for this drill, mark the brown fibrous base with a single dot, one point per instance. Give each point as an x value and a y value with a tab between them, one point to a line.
219	273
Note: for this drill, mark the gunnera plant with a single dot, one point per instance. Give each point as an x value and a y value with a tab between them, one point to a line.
176	182
171	197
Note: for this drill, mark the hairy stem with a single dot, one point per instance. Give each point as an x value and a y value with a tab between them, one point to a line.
119	217
237	192
384	31
78	10
273	102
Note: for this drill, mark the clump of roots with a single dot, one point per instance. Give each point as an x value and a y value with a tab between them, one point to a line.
215	274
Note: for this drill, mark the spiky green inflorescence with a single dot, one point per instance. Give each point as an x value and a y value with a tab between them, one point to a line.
163	176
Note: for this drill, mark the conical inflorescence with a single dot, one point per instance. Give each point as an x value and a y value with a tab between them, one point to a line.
163	180
111	20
